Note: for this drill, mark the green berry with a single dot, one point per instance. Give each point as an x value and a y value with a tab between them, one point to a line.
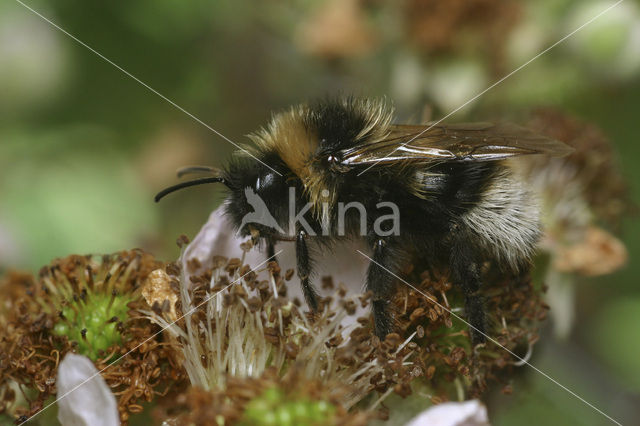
94	315
274	407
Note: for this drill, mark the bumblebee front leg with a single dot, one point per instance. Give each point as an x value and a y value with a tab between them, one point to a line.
381	283
304	267
263	240
271	250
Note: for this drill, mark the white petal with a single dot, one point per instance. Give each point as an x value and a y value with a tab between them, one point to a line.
468	413
84	404
11	253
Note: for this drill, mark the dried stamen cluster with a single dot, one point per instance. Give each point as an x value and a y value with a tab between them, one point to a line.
236	325
452	368
593	167
453	26
271	399
240	335
87	305
245	347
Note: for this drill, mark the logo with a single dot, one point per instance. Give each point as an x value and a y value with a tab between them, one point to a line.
262	216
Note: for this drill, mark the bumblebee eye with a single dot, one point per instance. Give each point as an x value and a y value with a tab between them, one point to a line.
334	162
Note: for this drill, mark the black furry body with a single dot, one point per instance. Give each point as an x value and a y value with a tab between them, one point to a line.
430	227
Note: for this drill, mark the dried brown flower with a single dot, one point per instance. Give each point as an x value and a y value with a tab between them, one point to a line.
236	324
445	360
442	26
88	305
239	335
338	29
599	253
201	407
593	164
582	194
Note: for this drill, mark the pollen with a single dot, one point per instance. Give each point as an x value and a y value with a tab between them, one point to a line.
158	293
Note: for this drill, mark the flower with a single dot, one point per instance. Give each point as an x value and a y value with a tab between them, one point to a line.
242	334
337	29
267	400
584	199
237	329
94	404
456	25
87	305
452	369
588	180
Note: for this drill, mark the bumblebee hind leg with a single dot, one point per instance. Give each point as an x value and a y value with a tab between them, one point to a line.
381	282
465	274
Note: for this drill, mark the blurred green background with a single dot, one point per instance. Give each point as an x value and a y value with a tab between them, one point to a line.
83	147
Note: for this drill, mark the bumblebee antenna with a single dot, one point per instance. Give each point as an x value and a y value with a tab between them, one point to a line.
194	182
196	169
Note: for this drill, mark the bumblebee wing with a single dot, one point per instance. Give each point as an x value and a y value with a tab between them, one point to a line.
457	142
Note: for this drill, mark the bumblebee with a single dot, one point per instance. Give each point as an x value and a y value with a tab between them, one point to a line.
459	203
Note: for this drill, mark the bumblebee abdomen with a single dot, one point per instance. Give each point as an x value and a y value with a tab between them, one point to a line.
505	217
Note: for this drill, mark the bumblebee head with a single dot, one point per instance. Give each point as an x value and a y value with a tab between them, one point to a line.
258	196
257	193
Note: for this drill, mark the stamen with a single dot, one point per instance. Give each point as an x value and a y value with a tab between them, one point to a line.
114	293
